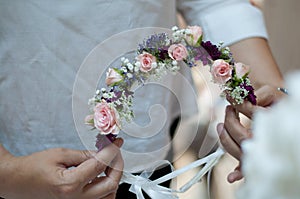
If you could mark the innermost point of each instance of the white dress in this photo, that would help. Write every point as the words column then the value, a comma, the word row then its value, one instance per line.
column 43, row 44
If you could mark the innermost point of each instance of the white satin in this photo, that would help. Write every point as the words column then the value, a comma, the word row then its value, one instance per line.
column 155, row 191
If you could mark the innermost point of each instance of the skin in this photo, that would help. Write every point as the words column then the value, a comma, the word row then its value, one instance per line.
column 257, row 3
column 256, row 53
column 47, row 174
column 266, row 78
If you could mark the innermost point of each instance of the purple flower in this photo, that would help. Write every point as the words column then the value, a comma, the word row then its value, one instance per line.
column 163, row 53
column 198, row 53
column 104, row 140
column 212, row 50
column 251, row 97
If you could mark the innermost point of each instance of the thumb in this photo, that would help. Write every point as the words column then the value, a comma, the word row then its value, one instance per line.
column 91, row 168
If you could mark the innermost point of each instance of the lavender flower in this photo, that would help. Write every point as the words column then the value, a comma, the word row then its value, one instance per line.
column 156, row 44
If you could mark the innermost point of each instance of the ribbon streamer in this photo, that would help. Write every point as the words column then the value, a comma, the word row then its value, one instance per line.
column 156, row 191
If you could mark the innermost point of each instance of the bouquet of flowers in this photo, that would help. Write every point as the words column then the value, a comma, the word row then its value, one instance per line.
column 156, row 56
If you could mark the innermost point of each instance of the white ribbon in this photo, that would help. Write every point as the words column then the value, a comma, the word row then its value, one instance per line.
column 156, row 191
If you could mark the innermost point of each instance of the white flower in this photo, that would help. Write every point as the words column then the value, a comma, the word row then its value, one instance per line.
column 271, row 158
column 130, row 66
column 105, row 95
column 126, row 61
column 168, row 42
column 124, row 69
column 238, row 94
column 97, row 92
column 174, row 28
column 188, row 31
column 137, row 64
column 175, row 35
column 136, row 69
column 129, row 75
column 174, row 63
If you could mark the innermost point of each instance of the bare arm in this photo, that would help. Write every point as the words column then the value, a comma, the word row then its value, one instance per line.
column 256, row 53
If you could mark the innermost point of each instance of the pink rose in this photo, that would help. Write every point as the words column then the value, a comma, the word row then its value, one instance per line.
column 194, row 36
column 177, row 52
column 112, row 77
column 221, row 71
column 241, row 69
column 106, row 119
column 147, row 61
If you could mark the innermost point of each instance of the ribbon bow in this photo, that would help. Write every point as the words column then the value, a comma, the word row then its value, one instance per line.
column 156, row 191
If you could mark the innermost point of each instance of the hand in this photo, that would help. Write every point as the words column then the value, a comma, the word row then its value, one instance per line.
column 48, row 174
column 232, row 133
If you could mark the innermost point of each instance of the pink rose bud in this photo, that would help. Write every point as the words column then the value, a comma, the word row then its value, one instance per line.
column 106, row 119
column 112, row 77
column 89, row 120
column 147, row 61
column 194, row 36
column 221, row 71
column 241, row 69
column 177, row 52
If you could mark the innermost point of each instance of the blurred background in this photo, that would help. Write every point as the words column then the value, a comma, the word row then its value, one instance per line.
column 282, row 22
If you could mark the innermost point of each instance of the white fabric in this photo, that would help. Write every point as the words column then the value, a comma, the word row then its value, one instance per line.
column 229, row 21
column 43, row 43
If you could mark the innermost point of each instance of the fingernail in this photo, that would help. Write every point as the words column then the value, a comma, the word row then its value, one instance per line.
column 220, row 128
column 118, row 142
column 230, row 179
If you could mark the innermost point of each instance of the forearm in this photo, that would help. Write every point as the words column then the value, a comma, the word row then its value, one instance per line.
column 6, row 166
column 256, row 53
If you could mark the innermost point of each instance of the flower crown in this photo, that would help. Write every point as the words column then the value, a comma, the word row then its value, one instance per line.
column 156, row 56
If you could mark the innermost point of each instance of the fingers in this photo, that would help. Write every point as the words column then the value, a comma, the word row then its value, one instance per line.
column 236, row 130
column 268, row 95
column 68, row 157
column 246, row 108
column 109, row 183
column 110, row 196
column 91, row 168
column 101, row 187
column 232, row 133
column 115, row 171
column 235, row 175
column 228, row 143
